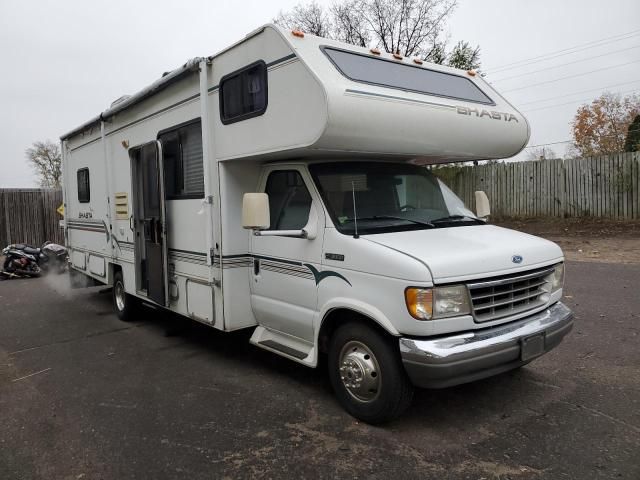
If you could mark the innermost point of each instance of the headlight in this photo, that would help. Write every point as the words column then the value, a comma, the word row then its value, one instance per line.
column 437, row 302
column 557, row 278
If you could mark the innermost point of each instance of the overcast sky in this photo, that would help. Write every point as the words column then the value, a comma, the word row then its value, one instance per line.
column 63, row 62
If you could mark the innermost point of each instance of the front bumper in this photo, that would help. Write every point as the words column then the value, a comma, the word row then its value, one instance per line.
column 465, row 357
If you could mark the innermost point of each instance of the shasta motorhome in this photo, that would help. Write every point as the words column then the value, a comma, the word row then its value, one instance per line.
column 280, row 186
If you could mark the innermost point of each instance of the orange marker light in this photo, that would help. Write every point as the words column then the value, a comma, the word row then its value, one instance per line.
column 375, row 51
column 418, row 61
column 471, row 73
column 397, row 56
column 297, row 33
column 419, row 302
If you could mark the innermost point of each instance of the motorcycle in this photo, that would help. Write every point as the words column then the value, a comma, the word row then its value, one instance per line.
column 22, row 259
column 18, row 263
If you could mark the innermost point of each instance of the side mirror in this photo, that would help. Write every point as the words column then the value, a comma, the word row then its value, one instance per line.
column 311, row 228
column 255, row 211
column 483, row 210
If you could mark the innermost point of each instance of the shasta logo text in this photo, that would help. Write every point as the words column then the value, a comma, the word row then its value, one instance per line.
column 507, row 117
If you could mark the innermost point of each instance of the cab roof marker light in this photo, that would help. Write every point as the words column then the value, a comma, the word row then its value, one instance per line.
column 397, row 56
column 418, row 61
column 375, row 51
column 472, row 73
column 297, row 33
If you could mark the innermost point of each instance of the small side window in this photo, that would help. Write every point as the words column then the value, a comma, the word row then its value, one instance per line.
column 84, row 188
column 243, row 93
column 289, row 200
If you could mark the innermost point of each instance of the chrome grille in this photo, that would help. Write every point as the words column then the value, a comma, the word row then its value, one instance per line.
column 508, row 295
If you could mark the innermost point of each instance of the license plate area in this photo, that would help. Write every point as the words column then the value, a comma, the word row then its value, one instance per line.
column 532, row 347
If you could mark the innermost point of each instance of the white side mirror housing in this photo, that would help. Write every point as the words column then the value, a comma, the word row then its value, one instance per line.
column 483, row 210
column 255, row 211
column 311, row 228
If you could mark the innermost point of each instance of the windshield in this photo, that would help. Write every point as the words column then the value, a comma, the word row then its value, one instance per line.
column 388, row 198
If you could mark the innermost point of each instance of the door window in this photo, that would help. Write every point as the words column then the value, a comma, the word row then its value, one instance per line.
column 84, row 192
column 289, row 200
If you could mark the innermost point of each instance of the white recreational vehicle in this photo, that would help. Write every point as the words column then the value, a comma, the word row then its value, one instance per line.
column 278, row 186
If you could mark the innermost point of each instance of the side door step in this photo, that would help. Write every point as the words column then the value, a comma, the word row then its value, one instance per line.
column 285, row 345
column 272, row 344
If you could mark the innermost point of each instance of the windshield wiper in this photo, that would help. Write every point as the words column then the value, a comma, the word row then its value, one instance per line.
column 391, row 217
column 458, row 217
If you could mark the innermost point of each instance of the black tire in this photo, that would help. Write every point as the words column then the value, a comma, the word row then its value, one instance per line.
column 125, row 305
column 391, row 391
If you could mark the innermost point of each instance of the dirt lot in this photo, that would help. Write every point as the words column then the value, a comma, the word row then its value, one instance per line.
column 593, row 240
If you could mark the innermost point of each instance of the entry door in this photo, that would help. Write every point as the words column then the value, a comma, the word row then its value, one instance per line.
column 284, row 292
column 151, row 241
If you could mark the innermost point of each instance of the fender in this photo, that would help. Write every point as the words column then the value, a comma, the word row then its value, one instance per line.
column 356, row 306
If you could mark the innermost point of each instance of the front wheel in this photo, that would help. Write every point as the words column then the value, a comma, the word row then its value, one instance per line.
column 124, row 304
column 367, row 374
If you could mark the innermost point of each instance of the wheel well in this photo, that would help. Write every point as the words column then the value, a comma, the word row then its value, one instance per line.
column 340, row 316
column 113, row 269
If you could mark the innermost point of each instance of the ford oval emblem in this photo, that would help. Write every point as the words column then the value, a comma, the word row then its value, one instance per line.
column 516, row 259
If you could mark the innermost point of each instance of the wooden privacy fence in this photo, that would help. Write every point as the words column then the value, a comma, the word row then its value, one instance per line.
column 606, row 186
column 28, row 215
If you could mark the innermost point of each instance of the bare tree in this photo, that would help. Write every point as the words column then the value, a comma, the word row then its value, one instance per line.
column 349, row 25
column 541, row 153
column 46, row 160
column 406, row 27
column 310, row 18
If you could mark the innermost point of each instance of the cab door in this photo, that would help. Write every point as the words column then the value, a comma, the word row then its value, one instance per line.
column 284, row 292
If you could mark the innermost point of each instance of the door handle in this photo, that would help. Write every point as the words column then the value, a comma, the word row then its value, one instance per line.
column 256, row 267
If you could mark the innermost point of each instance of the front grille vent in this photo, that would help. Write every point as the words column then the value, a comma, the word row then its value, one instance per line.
column 508, row 295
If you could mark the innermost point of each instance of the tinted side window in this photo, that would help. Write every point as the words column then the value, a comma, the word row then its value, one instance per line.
column 362, row 68
column 182, row 155
column 289, row 200
column 84, row 188
column 243, row 94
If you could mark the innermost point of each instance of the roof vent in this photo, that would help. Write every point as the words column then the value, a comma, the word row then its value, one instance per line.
column 119, row 100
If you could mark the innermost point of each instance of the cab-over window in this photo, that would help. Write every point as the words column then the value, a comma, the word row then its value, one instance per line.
column 243, row 93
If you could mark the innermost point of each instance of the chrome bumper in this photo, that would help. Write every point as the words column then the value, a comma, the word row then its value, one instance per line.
column 469, row 356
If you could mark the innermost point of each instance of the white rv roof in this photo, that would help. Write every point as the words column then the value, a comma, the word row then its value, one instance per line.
column 372, row 103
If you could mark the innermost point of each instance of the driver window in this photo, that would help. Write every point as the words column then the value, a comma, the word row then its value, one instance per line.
column 289, row 200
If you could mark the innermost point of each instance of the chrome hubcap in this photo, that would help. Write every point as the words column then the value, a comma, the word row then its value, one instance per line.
column 359, row 371
column 119, row 295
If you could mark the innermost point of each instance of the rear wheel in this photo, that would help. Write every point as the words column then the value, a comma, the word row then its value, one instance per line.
column 367, row 374
column 125, row 305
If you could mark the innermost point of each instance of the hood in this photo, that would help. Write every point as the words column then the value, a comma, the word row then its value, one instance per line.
column 459, row 253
